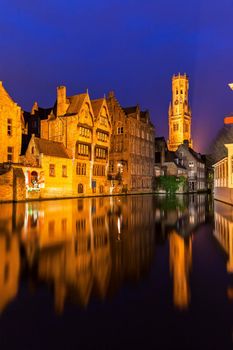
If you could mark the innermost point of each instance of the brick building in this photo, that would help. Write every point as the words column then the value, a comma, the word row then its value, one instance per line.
column 131, row 160
column 11, row 121
column 84, row 128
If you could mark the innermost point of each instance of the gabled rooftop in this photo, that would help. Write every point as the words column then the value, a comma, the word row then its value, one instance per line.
column 51, row 148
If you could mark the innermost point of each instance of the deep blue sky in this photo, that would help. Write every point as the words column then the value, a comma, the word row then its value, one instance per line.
column 132, row 47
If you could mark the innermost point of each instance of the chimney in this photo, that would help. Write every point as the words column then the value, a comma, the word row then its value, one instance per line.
column 34, row 108
column 186, row 143
column 111, row 94
column 61, row 100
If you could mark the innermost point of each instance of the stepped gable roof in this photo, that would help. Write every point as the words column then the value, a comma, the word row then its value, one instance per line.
column 41, row 113
column 51, row 148
column 130, row 110
column 96, row 106
column 25, row 142
column 75, row 103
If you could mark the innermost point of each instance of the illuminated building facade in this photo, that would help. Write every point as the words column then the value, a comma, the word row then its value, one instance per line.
column 179, row 114
column 84, row 128
column 195, row 165
column 223, row 177
column 11, row 122
column 131, row 163
column 64, row 150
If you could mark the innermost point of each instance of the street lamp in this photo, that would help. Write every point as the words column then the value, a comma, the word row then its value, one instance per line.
column 230, row 86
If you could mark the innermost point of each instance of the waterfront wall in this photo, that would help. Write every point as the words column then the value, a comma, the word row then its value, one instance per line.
column 6, row 186
column 224, row 194
column 12, row 185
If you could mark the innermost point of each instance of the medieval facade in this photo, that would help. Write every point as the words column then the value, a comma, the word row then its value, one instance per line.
column 131, row 162
column 11, row 121
column 77, row 147
column 179, row 114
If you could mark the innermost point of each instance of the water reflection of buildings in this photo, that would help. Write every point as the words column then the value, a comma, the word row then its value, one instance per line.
column 103, row 242
column 177, row 220
column 90, row 247
column 9, row 255
column 223, row 232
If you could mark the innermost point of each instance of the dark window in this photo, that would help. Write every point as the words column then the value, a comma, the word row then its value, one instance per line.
column 80, row 188
column 51, row 169
column 9, row 127
column 64, row 170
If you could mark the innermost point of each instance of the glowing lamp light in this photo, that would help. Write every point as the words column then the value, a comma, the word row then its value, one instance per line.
column 230, row 86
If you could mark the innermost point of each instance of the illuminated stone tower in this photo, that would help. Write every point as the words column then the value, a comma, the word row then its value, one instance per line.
column 179, row 114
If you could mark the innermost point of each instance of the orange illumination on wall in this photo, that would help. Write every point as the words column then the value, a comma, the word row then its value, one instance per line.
column 228, row 120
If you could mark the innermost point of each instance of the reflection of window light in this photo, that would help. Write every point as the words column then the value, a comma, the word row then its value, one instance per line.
column 119, row 224
column 192, row 219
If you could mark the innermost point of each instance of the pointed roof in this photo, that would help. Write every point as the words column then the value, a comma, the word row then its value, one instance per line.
column 4, row 92
column 96, row 106
column 76, row 103
column 51, row 148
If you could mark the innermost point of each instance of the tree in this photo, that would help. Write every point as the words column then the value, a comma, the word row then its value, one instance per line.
column 171, row 183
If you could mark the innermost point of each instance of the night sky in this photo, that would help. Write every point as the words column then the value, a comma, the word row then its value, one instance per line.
column 129, row 46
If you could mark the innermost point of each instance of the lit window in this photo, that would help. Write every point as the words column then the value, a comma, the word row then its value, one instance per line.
column 100, row 153
column 10, row 154
column 101, row 136
column 84, row 132
column 83, row 149
column 81, row 169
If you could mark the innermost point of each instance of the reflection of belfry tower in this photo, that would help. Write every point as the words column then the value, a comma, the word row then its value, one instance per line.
column 179, row 114
column 180, row 264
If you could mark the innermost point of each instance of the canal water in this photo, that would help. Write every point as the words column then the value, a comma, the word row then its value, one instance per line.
column 117, row 272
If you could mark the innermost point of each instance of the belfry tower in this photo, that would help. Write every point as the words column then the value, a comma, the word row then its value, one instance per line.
column 179, row 114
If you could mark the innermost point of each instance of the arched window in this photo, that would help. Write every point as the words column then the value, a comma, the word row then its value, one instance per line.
column 80, row 188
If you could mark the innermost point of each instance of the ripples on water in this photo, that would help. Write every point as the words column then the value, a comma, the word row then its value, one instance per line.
column 107, row 272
